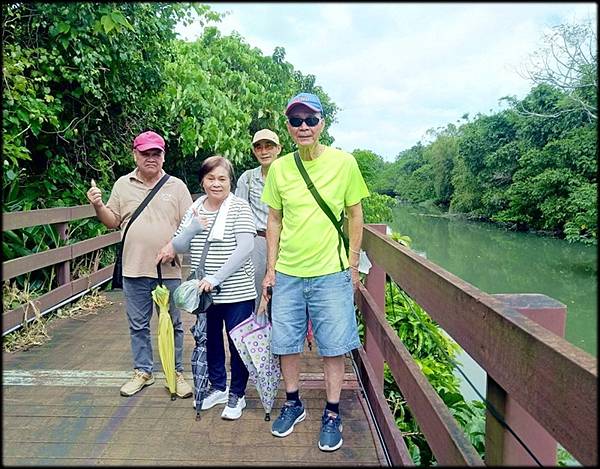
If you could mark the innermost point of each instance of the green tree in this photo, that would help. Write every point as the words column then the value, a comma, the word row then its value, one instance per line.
column 220, row 90
column 441, row 154
column 370, row 165
column 80, row 81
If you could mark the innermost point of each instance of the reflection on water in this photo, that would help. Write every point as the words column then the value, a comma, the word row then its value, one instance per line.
column 501, row 261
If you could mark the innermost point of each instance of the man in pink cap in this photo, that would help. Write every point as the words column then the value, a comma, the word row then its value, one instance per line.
column 309, row 265
column 149, row 232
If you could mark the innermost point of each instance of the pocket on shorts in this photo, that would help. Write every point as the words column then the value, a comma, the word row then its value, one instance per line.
column 347, row 276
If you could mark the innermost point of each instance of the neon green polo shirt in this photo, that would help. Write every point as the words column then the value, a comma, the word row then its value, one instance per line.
column 308, row 245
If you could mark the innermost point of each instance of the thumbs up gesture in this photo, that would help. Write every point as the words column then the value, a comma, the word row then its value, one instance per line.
column 94, row 195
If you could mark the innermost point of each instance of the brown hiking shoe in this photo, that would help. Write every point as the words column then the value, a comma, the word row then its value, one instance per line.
column 137, row 382
column 184, row 390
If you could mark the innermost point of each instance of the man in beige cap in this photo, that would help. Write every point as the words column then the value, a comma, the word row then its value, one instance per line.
column 266, row 148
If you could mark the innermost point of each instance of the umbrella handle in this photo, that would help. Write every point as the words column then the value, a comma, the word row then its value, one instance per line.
column 270, row 294
column 159, row 272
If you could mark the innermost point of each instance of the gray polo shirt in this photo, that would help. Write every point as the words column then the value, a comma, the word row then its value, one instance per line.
column 250, row 186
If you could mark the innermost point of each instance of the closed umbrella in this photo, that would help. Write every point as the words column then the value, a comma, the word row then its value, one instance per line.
column 166, row 336
column 268, row 371
column 199, row 361
column 252, row 339
column 237, row 335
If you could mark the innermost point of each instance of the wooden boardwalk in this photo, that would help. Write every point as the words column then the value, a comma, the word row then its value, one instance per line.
column 61, row 406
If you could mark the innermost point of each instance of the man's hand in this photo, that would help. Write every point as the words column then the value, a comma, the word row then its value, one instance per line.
column 166, row 254
column 268, row 281
column 94, row 195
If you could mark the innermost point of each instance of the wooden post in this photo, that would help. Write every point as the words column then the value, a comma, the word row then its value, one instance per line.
column 502, row 448
column 63, row 271
column 375, row 284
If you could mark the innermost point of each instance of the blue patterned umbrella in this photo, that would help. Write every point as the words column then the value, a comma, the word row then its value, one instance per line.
column 199, row 362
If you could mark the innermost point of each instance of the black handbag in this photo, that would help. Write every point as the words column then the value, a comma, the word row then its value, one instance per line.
column 117, row 278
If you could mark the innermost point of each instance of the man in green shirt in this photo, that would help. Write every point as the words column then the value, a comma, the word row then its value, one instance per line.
column 307, row 264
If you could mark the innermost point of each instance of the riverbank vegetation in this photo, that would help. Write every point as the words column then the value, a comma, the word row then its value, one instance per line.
column 530, row 166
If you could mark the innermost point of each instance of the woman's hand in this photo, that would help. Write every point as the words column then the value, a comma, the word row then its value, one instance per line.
column 202, row 220
column 205, row 285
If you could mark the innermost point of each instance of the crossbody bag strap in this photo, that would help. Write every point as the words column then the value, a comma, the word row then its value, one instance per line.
column 207, row 244
column 313, row 190
column 142, row 206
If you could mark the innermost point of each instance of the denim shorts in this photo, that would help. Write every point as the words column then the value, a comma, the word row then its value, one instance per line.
column 328, row 301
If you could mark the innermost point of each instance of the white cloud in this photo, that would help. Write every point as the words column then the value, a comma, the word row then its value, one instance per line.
column 398, row 69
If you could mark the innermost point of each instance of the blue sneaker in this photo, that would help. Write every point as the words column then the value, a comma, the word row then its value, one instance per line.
column 291, row 414
column 330, row 438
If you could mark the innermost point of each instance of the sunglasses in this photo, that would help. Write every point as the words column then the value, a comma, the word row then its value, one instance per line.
column 310, row 121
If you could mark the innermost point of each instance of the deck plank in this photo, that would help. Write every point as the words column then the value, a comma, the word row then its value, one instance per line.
column 61, row 406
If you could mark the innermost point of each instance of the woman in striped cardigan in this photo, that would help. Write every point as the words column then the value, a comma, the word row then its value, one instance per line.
column 226, row 221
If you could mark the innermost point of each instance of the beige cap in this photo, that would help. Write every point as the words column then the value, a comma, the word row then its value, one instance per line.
column 265, row 134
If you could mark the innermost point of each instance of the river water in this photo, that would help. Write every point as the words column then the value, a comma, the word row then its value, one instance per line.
column 496, row 260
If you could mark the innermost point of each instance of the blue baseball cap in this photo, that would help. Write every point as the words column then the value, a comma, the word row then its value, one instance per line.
column 309, row 100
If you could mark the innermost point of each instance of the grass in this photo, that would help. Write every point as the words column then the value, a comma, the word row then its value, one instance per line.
column 35, row 332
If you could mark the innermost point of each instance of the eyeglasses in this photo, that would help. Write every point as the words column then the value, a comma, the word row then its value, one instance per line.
column 310, row 121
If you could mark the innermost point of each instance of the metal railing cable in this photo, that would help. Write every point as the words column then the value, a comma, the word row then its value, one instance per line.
column 493, row 411
column 371, row 412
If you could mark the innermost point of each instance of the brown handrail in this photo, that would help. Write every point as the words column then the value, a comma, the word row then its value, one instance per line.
column 446, row 439
column 45, row 216
column 61, row 256
column 552, row 379
column 39, row 260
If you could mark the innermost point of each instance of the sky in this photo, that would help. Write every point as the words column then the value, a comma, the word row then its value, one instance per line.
column 396, row 70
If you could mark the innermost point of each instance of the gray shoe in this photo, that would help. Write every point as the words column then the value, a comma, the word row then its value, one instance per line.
column 215, row 397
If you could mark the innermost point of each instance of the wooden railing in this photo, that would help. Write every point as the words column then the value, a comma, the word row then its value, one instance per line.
column 527, row 365
column 68, row 288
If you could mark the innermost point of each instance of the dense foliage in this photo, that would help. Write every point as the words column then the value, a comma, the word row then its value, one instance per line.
column 82, row 79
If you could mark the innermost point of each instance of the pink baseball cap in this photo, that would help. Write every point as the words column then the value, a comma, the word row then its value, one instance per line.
column 147, row 140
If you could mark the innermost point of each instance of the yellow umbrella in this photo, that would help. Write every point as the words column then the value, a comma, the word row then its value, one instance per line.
column 166, row 336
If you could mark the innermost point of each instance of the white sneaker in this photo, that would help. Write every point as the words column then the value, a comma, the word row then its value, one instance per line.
column 214, row 397
column 234, row 407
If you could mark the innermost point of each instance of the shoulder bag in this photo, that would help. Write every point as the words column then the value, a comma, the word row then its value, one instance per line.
column 117, row 279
